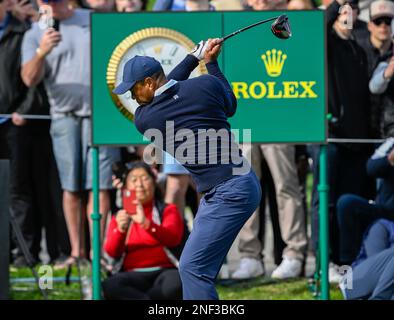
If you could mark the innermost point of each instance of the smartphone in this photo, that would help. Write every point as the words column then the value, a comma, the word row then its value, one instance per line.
column 56, row 24
column 128, row 201
column 119, row 170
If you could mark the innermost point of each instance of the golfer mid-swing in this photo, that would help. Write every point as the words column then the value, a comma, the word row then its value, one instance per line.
column 230, row 193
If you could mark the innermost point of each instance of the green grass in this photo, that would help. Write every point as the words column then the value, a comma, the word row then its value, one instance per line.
column 259, row 289
column 268, row 289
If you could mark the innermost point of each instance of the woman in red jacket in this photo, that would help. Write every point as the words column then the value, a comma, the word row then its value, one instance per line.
column 142, row 238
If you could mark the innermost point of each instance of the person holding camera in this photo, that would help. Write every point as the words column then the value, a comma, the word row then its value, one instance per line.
column 56, row 50
column 26, row 143
column 143, row 236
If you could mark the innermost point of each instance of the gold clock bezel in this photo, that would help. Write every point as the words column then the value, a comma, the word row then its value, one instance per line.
column 132, row 40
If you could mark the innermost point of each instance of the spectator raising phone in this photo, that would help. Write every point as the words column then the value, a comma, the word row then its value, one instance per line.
column 129, row 201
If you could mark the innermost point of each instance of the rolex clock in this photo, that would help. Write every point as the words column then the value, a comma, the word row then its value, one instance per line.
column 167, row 46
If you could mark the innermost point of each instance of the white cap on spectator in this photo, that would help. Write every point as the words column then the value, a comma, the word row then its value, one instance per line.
column 381, row 8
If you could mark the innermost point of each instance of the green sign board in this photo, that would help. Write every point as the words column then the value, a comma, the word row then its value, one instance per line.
column 279, row 84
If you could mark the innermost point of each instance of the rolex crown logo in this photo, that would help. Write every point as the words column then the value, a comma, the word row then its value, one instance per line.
column 274, row 61
column 158, row 49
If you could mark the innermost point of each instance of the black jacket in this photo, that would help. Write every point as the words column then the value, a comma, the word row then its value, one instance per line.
column 381, row 105
column 348, row 92
column 14, row 95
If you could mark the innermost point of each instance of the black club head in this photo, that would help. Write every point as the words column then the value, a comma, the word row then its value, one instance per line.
column 281, row 27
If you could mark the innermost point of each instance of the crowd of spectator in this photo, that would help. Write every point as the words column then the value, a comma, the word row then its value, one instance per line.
column 45, row 71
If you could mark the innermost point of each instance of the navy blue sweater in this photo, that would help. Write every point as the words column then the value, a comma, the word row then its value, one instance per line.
column 201, row 103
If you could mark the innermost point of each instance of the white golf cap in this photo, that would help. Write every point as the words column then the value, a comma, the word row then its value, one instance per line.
column 381, row 8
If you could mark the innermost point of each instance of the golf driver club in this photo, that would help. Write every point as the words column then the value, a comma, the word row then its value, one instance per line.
column 280, row 28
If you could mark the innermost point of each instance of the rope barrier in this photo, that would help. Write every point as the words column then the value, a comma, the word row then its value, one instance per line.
column 28, row 116
column 336, row 140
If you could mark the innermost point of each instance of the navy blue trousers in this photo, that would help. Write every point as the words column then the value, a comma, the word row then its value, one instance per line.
column 222, row 212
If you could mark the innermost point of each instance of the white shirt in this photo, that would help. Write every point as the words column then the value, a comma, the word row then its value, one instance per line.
column 165, row 87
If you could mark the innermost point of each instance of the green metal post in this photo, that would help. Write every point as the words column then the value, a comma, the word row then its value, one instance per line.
column 323, row 189
column 96, row 217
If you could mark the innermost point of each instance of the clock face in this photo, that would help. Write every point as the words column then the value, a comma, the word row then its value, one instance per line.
column 167, row 51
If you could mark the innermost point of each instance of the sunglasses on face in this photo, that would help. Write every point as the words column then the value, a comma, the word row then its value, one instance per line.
column 51, row 1
column 385, row 20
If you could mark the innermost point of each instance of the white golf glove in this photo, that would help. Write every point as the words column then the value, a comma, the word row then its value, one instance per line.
column 199, row 50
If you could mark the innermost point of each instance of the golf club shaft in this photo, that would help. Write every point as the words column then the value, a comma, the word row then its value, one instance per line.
column 248, row 27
